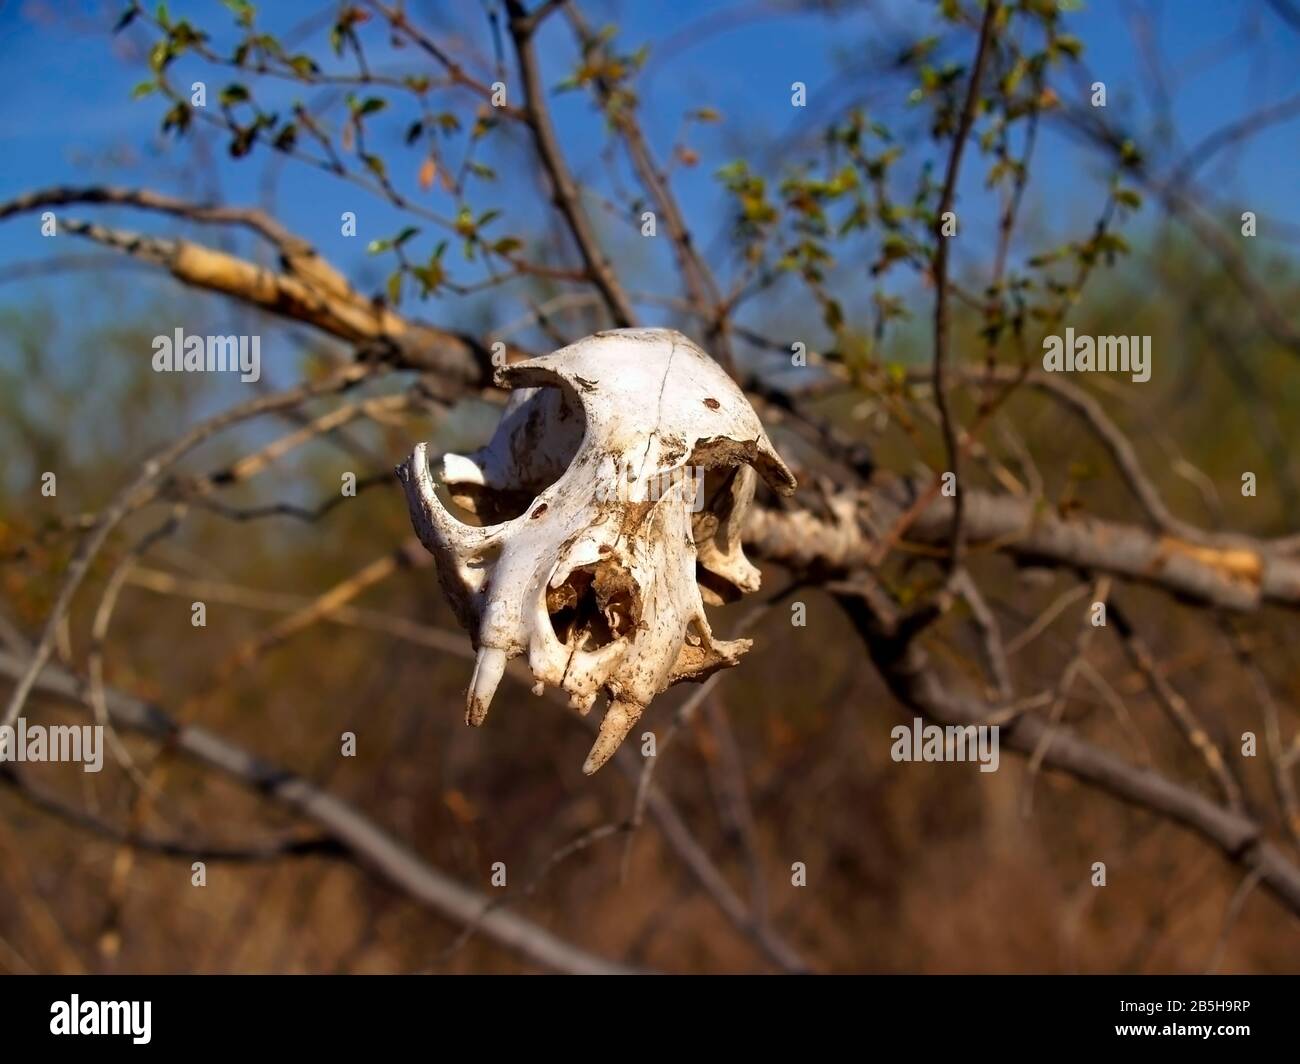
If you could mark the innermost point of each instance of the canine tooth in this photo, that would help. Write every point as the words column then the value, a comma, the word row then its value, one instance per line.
column 620, row 718
column 488, row 669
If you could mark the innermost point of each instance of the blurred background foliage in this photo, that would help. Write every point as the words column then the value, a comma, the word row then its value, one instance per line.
column 910, row 867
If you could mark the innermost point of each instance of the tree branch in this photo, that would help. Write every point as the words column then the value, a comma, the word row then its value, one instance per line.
column 1243, row 578
column 914, row 681
column 364, row 840
column 563, row 187
column 939, row 268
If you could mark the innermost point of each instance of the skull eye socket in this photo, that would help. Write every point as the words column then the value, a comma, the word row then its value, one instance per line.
column 594, row 606
column 535, row 444
column 477, row 504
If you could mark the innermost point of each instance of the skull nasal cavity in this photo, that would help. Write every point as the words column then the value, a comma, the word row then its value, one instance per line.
column 595, row 605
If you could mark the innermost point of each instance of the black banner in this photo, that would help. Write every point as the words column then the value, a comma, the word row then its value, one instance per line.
column 523, row 1014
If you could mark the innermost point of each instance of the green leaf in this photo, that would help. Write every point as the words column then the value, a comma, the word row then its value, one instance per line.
column 405, row 235
column 143, row 89
column 1012, row 80
column 732, row 170
column 895, row 247
column 128, row 16
column 1070, row 45
column 178, row 117
column 243, row 10
column 395, row 288
column 858, row 218
column 377, row 246
column 233, row 93
column 430, row 277
column 242, row 142
column 159, row 56
column 1113, row 243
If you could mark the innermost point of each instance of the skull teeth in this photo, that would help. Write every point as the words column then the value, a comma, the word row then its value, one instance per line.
column 582, row 702
column 488, row 669
column 620, row 718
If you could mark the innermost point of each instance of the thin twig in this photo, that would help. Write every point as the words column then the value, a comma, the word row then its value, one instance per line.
column 939, row 269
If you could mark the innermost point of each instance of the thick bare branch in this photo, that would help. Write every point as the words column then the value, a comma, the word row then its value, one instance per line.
column 1241, row 578
column 306, row 289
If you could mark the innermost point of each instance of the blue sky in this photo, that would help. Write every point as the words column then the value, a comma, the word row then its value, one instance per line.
column 67, row 116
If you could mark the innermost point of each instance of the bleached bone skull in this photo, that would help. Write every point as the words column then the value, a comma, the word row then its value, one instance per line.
column 604, row 513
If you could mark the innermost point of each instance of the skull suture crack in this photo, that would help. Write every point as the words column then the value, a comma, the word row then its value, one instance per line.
column 604, row 513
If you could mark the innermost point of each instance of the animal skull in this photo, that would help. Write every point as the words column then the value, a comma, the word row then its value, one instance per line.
column 605, row 511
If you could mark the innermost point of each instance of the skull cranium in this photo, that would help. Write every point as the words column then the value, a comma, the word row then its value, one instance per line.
column 602, row 515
